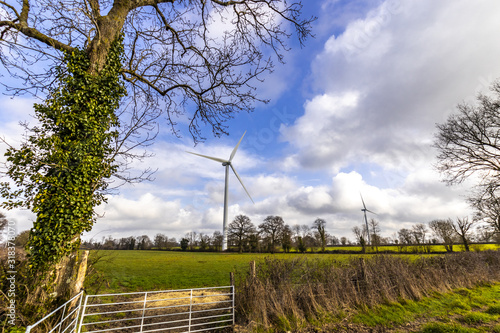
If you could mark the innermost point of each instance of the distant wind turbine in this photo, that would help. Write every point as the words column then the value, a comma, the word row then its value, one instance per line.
column 227, row 164
column 364, row 210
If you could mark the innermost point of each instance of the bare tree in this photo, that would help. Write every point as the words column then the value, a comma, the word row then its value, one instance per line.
column 469, row 143
column 374, row 225
column 302, row 234
column 192, row 237
column 126, row 243
column 487, row 205
column 176, row 57
column 160, row 241
column 144, row 242
column 239, row 230
column 405, row 236
column 171, row 242
column 217, row 240
column 286, row 238
column 110, row 243
column 404, row 239
column 419, row 232
column 484, row 233
column 204, row 241
column 333, row 240
column 319, row 225
column 272, row 229
column 462, row 228
column 443, row 229
column 360, row 234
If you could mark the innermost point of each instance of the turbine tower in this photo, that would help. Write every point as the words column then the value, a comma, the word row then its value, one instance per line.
column 226, row 164
column 364, row 210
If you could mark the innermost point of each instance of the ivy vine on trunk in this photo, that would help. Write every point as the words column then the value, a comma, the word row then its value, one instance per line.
column 62, row 168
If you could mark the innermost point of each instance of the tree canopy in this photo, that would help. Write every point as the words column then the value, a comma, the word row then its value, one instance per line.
column 240, row 230
column 190, row 57
column 272, row 229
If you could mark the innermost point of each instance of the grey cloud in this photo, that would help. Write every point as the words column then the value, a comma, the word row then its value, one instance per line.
column 410, row 74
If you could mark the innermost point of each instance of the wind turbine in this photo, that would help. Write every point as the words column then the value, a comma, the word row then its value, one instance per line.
column 227, row 164
column 364, row 210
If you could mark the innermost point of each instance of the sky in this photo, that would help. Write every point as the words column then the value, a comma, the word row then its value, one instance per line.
column 353, row 111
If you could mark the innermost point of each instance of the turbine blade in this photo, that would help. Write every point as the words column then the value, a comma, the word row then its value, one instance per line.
column 362, row 201
column 371, row 212
column 241, row 182
column 236, row 148
column 209, row 157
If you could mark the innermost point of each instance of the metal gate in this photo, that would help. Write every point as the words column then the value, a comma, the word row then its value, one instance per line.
column 173, row 311
column 65, row 317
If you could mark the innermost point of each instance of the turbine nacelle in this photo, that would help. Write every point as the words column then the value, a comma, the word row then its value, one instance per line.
column 364, row 209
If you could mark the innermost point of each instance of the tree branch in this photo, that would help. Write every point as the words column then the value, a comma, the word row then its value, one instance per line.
column 34, row 33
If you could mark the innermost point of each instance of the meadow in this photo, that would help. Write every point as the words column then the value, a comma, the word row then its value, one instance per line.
column 325, row 291
column 123, row 271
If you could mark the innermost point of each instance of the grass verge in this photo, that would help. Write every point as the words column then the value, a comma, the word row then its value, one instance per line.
column 462, row 310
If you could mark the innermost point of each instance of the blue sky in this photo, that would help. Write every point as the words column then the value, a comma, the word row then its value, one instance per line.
column 353, row 111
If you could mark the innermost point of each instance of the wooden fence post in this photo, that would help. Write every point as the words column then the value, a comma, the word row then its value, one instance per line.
column 252, row 269
column 363, row 268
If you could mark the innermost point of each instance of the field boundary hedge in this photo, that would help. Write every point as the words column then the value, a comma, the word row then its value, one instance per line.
column 288, row 294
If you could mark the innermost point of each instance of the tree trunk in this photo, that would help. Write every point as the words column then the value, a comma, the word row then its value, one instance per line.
column 466, row 244
column 109, row 27
column 63, row 282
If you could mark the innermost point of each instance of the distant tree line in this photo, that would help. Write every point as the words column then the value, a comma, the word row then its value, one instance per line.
column 160, row 242
column 274, row 235
column 420, row 237
column 271, row 235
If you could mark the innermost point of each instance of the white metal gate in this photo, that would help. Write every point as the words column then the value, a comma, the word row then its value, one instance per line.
column 66, row 317
column 173, row 311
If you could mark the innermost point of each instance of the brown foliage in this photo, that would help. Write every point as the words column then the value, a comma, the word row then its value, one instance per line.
column 290, row 293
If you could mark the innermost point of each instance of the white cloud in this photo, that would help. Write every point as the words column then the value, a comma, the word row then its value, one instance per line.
column 407, row 66
column 149, row 214
column 377, row 90
column 408, row 63
column 14, row 111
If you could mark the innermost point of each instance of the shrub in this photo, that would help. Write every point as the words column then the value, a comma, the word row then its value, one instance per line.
column 301, row 289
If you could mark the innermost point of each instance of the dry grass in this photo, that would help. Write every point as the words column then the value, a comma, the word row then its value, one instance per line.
column 290, row 294
column 200, row 297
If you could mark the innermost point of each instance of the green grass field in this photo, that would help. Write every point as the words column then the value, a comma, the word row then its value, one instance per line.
column 124, row 271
